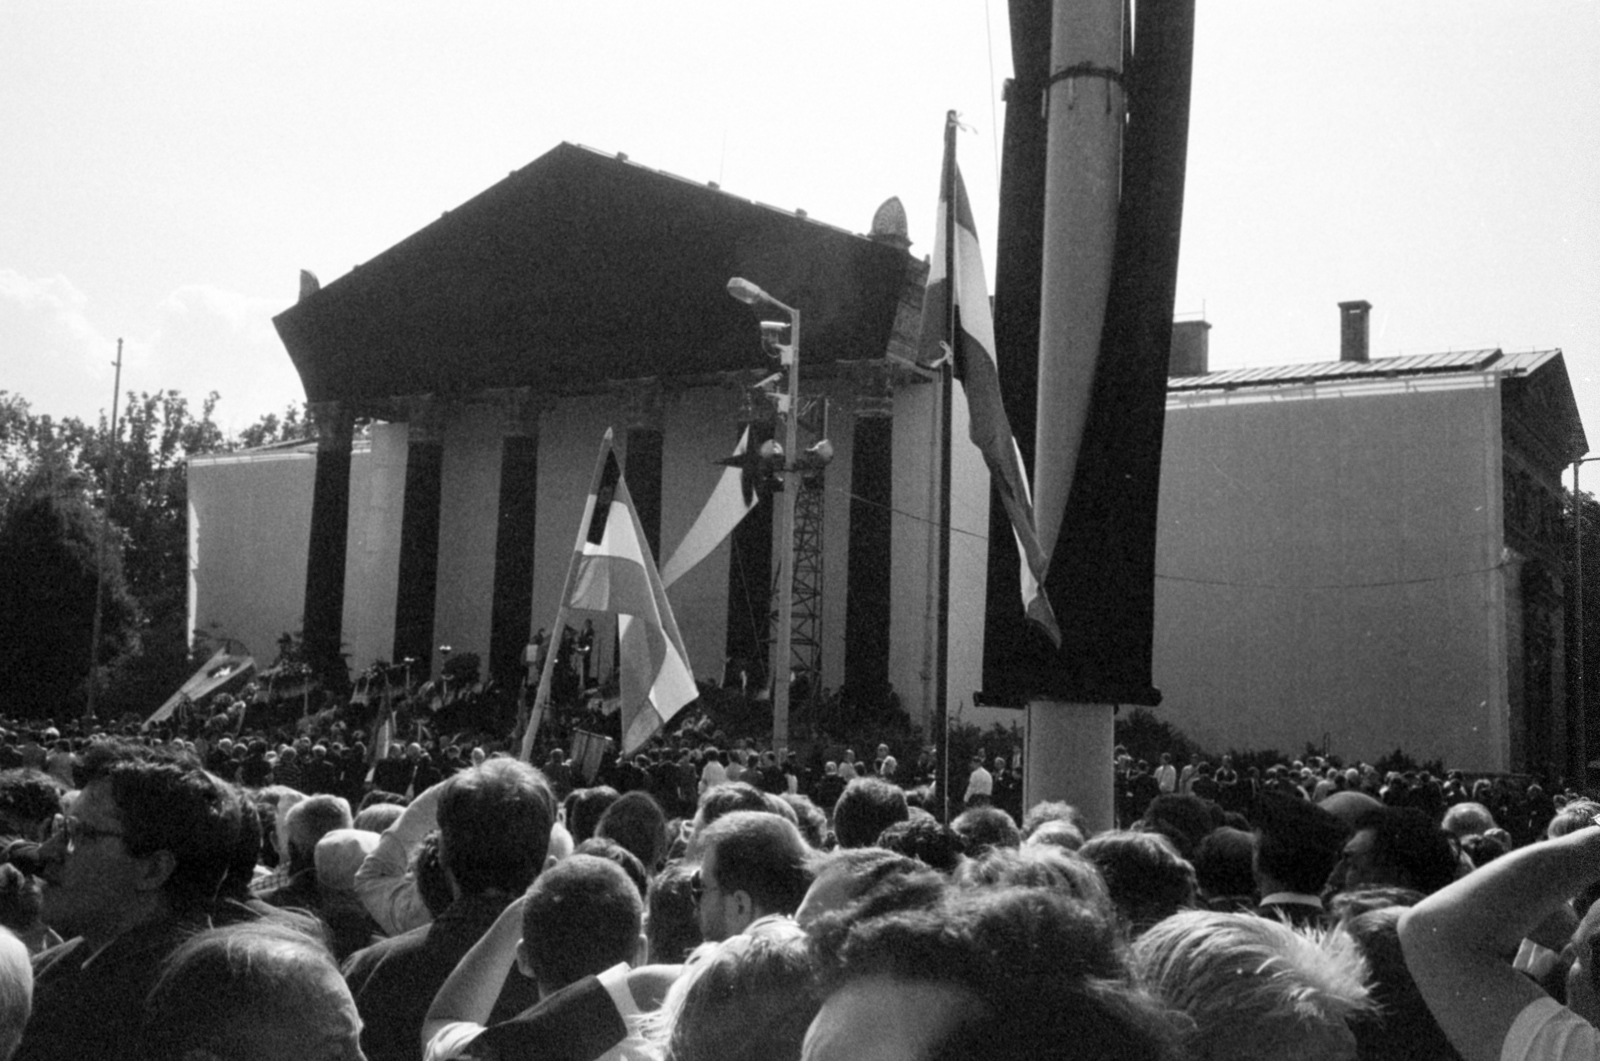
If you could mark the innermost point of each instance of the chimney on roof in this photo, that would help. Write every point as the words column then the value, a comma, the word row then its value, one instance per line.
column 1353, row 330
column 1191, row 348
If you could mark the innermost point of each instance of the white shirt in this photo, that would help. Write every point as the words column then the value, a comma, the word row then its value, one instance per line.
column 1548, row 1031
column 453, row 1039
column 979, row 783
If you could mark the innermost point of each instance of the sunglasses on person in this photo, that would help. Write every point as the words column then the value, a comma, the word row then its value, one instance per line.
column 78, row 832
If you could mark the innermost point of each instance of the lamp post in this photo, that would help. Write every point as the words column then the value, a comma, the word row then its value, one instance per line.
column 788, row 406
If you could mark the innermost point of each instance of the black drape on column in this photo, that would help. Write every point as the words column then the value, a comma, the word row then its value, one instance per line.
column 866, row 617
column 1101, row 580
column 418, row 581
column 322, row 632
column 513, row 558
column 750, row 585
column 643, row 472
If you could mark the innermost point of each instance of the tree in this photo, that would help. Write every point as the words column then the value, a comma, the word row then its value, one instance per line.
column 49, row 567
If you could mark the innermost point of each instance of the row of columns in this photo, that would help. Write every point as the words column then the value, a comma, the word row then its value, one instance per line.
column 511, row 595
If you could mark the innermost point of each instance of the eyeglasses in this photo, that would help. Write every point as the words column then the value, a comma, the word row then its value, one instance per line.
column 698, row 887
column 78, row 831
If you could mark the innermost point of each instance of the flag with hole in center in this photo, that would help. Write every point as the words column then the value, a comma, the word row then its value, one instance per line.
column 615, row 573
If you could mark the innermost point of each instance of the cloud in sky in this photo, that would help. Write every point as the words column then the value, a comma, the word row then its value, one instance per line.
column 200, row 339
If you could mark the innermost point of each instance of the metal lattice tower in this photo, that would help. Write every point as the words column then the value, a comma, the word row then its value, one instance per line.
column 806, row 637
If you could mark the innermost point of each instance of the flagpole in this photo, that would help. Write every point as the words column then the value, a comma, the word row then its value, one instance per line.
column 100, row 545
column 542, row 697
column 941, row 685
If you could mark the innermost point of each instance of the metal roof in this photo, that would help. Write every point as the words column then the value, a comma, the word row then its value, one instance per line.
column 1329, row 371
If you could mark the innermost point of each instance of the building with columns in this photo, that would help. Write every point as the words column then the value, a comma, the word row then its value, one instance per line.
column 1365, row 553
column 460, row 383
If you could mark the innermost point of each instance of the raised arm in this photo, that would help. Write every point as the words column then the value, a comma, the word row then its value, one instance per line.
column 1459, row 942
column 470, row 992
column 385, row 889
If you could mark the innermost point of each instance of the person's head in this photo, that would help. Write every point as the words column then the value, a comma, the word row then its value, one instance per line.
column 925, row 839
column 1397, row 846
column 751, row 864
column 1222, row 866
column 1185, row 820
column 1467, row 819
column 309, row 821
column 1003, row 974
column 1256, row 989
column 339, row 856
column 673, row 928
column 433, row 884
column 1147, row 878
column 984, row 828
column 809, row 817
column 1297, row 844
column 252, row 991
column 378, row 817
column 746, row 998
column 1400, row 1026
column 846, row 873
column 1037, row 866
column 625, row 860
column 866, row 807
column 1062, row 834
column 637, row 822
column 1484, row 848
column 1578, row 814
column 582, row 916
column 16, row 992
column 585, row 807
column 1054, row 811
column 29, row 801
column 726, row 798
column 494, row 827
column 150, row 836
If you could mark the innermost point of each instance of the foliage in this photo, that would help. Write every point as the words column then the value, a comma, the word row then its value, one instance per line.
column 1145, row 737
column 139, row 479
column 50, row 562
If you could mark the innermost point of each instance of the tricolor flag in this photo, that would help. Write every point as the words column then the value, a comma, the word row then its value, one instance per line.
column 970, row 345
column 736, row 493
column 612, row 571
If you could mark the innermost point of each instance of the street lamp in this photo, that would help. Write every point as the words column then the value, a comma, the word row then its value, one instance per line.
column 788, row 405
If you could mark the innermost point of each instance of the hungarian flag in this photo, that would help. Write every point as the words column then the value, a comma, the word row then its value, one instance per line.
column 736, row 493
column 966, row 335
column 614, row 572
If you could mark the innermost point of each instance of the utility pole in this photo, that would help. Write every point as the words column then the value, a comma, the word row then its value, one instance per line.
column 100, row 548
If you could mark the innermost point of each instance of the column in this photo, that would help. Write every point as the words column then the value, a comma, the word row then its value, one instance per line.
column 867, row 599
column 511, row 612
column 419, row 534
column 330, row 532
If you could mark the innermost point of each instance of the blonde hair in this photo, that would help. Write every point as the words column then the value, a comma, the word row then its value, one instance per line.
column 1224, row 969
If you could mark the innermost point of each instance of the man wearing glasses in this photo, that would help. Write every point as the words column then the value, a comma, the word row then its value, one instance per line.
column 127, row 875
column 753, row 865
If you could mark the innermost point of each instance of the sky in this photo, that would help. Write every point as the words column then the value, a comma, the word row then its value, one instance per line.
column 168, row 167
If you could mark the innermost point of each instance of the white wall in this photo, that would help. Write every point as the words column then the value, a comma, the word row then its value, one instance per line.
column 1328, row 563
column 469, row 511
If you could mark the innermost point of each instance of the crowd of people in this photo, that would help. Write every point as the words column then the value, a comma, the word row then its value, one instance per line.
column 236, row 897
